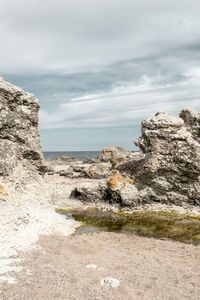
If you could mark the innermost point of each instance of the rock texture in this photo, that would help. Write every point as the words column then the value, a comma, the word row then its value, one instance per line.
column 19, row 135
column 117, row 155
column 113, row 154
column 170, row 170
column 78, row 168
column 165, row 170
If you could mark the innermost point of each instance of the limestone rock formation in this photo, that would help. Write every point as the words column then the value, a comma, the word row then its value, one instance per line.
column 93, row 191
column 165, row 170
column 25, row 198
column 112, row 153
column 170, row 170
column 19, row 135
column 116, row 155
column 78, row 168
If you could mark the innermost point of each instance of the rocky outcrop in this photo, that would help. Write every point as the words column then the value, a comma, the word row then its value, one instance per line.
column 25, row 198
column 166, row 170
column 117, row 155
column 170, row 170
column 113, row 154
column 19, row 135
column 93, row 191
column 78, row 168
column 110, row 159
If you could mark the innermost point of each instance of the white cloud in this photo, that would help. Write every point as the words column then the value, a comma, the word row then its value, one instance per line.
column 71, row 36
column 127, row 104
column 193, row 75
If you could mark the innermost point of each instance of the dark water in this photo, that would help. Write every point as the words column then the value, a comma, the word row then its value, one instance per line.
column 74, row 154
column 159, row 225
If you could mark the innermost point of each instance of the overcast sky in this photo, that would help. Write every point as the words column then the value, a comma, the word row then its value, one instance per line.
column 99, row 67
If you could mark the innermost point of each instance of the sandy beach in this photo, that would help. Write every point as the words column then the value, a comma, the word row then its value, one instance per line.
column 73, row 267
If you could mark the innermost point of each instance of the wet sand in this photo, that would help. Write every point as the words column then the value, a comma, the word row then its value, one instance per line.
column 147, row 268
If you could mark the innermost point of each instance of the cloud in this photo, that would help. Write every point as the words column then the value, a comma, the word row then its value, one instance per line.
column 102, row 64
column 63, row 36
column 126, row 104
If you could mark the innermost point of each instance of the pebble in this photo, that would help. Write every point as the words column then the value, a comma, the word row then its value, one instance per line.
column 109, row 281
column 91, row 266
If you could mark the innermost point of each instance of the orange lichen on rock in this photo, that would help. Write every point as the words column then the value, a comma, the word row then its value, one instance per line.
column 116, row 178
column 131, row 181
column 2, row 191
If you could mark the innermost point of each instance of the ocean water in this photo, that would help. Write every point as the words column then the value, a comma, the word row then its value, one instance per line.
column 74, row 154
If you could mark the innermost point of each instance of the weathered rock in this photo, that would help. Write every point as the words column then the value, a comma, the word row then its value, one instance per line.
column 19, row 135
column 98, row 170
column 112, row 153
column 192, row 122
column 93, row 191
column 77, row 168
column 170, row 170
column 25, row 198
column 116, row 155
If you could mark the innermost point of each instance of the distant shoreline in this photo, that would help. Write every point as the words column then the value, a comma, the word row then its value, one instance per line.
column 73, row 154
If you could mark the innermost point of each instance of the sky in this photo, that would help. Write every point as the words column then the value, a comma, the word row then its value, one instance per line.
column 98, row 68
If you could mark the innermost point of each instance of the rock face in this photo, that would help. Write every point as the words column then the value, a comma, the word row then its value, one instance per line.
column 19, row 135
column 25, row 198
column 170, row 170
column 166, row 170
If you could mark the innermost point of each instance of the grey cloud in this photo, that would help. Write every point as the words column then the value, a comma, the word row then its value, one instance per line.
column 48, row 36
column 126, row 104
column 102, row 63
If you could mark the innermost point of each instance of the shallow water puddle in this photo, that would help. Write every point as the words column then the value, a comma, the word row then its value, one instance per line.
column 160, row 225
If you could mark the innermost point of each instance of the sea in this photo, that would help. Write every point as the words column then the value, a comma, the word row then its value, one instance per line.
column 73, row 154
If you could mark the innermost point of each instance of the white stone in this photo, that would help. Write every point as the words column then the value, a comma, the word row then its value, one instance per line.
column 110, row 282
column 91, row 266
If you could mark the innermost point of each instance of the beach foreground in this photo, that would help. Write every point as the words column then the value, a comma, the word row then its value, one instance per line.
column 73, row 267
